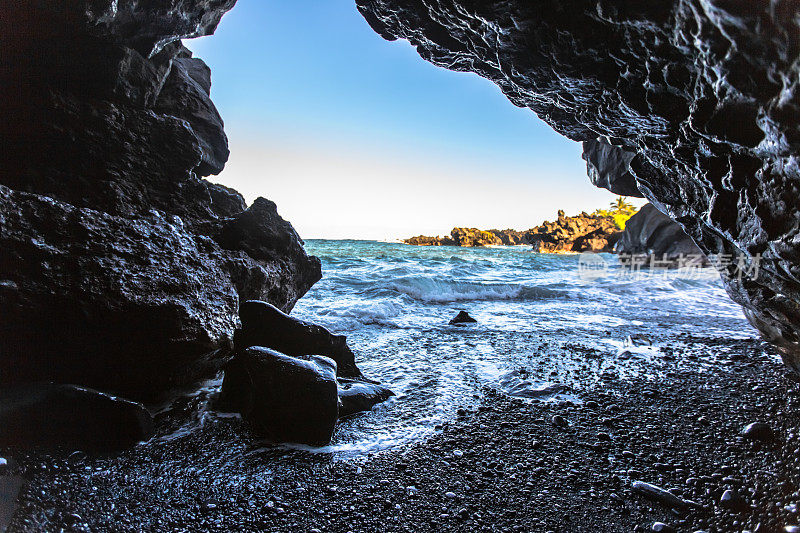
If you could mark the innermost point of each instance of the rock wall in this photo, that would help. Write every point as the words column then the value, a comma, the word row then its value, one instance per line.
column 704, row 94
column 121, row 268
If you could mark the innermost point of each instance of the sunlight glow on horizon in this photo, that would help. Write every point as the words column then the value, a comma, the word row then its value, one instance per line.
column 340, row 192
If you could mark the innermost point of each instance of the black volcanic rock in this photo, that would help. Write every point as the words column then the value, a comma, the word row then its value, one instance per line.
column 120, row 267
column 133, row 305
column 144, row 26
column 48, row 415
column 265, row 325
column 608, row 167
column 356, row 397
column 185, row 95
column 462, row 318
column 284, row 398
column 267, row 259
column 652, row 234
column 702, row 93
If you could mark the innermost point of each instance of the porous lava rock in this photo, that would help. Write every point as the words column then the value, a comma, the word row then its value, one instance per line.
column 121, row 267
column 703, row 93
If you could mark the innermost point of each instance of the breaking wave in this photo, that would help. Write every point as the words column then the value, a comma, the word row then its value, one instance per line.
column 444, row 291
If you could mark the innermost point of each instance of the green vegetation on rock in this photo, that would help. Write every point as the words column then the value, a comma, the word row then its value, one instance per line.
column 620, row 210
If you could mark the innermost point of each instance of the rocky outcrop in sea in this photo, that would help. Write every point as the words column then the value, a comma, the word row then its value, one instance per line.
column 697, row 102
column 580, row 233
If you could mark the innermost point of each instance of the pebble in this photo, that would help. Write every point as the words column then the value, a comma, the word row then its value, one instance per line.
column 559, row 421
column 661, row 527
column 450, row 495
column 458, row 453
column 732, row 501
column 3, row 464
column 659, row 495
column 758, row 431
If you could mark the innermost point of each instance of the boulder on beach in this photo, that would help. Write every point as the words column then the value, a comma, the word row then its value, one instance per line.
column 462, row 318
column 68, row 416
column 264, row 324
column 285, row 399
column 358, row 396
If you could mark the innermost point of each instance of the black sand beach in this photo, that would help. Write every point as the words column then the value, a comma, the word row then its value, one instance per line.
column 510, row 465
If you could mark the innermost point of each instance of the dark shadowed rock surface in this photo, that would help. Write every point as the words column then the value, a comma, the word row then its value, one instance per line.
column 265, row 325
column 122, row 268
column 650, row 234
column 136, row 305
column 66, row 416
column 704, row 94
column 285, row 399
column 185, row 94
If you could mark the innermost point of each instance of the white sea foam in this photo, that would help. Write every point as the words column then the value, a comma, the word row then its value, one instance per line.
column 394, row 303
column 439, row 291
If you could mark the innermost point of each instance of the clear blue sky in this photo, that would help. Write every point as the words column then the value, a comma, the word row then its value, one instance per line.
column 354, row 136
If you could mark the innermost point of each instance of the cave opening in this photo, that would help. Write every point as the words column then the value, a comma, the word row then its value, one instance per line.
column 177, row 355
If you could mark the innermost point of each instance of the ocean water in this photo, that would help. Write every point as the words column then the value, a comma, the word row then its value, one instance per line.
column 544, row 328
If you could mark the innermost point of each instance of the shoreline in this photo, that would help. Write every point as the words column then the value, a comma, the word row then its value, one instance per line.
column 510, row 465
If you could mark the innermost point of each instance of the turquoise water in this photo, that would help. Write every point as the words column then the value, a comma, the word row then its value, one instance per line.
column 543, row 329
